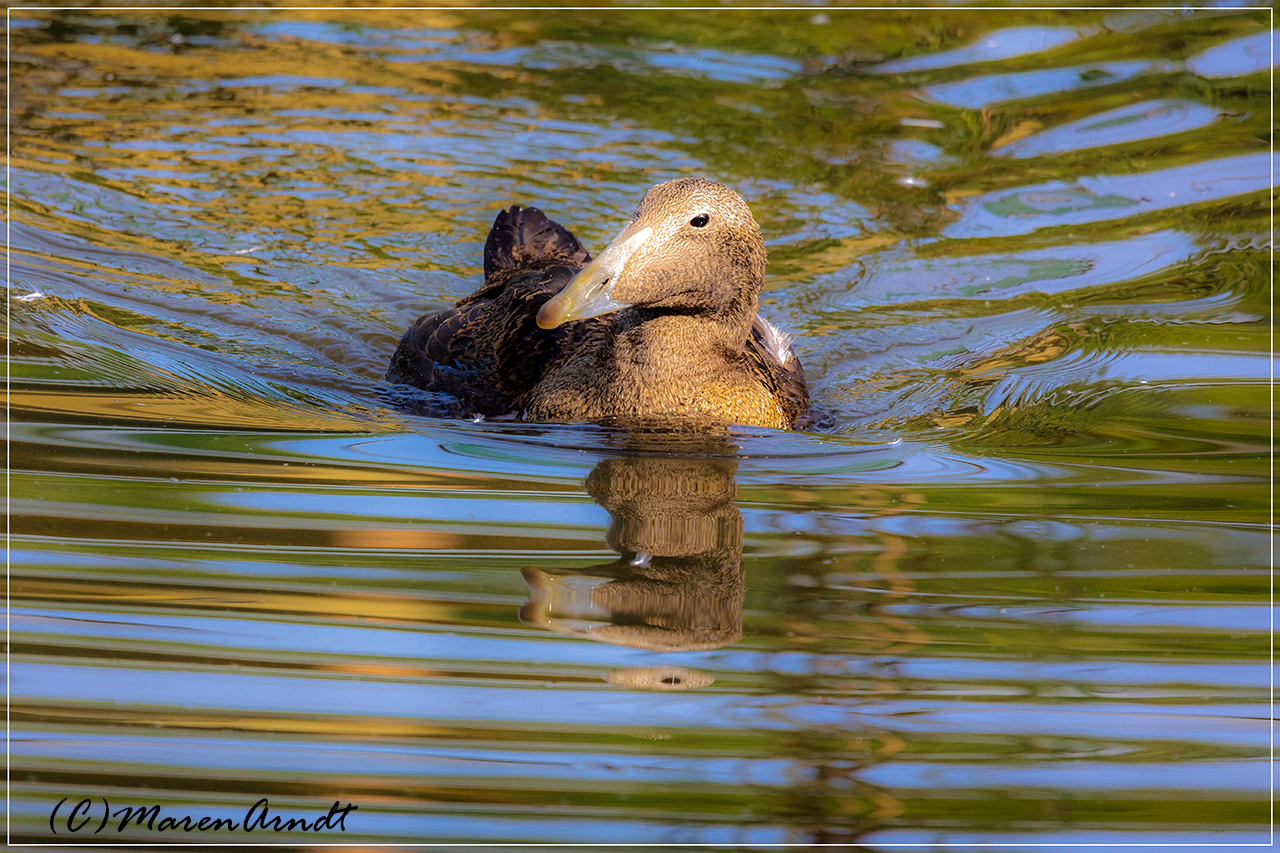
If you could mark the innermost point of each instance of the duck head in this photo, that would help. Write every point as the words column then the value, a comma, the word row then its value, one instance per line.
column 692, row 247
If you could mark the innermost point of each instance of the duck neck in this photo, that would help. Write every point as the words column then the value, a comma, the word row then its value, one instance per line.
column 654, row 339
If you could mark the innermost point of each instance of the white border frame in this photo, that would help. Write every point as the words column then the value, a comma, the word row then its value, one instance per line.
column 799, row 9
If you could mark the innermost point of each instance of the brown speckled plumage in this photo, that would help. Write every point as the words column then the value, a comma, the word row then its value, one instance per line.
column 661, row 325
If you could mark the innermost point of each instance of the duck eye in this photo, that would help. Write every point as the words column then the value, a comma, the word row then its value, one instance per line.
column 700, row 220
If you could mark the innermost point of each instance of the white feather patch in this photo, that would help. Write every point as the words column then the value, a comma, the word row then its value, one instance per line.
column 776, row 341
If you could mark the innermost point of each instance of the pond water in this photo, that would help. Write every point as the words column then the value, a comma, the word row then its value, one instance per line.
column 1016, row 589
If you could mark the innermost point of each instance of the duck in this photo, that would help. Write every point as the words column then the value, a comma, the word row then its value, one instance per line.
column 662, row 326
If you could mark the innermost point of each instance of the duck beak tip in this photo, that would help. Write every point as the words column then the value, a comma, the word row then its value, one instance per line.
column 548, row 317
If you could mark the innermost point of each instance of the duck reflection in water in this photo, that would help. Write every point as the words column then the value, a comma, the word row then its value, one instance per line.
column 678, row 584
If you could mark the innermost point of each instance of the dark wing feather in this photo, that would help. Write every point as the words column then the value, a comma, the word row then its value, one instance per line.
column 488, row 350
column 784, row 379
column 521, row 238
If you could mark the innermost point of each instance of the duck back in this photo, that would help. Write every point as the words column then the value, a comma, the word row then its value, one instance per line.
column 487, row 350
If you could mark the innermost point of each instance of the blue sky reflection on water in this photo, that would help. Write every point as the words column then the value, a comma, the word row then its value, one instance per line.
column 1001, row 44
column 1147, row 120
column 1101, row 197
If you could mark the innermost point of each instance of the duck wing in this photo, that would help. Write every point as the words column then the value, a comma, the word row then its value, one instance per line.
column 770, row 355
column 522, row 238
column 487, row 350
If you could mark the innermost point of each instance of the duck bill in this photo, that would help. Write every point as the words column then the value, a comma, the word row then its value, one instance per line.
column 590, row 292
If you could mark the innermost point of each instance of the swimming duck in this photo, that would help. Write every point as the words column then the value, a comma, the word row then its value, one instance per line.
column 661, row 325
